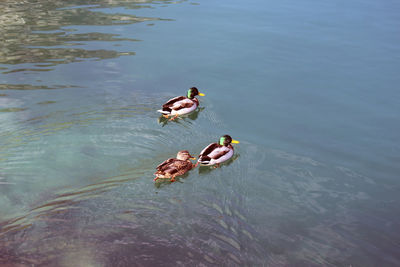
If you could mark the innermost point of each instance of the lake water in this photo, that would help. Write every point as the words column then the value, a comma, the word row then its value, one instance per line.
column 310, row 88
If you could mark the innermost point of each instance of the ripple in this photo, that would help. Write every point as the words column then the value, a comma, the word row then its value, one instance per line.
column 12, row 109
column 298, row 211
column 33, row 87
column 213, row 230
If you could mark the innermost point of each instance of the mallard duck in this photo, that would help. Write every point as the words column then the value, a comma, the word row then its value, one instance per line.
column 216, row 153
column 181, row 104
column 173, row 167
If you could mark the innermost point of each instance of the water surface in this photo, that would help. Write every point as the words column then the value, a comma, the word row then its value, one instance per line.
column 308, row 88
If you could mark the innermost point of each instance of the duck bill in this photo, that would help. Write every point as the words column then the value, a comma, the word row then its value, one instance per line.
column 235, row 142
column 201, row 94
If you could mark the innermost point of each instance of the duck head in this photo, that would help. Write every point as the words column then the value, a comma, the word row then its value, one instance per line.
column 192, row 92
column 184, row 155
column 226, row 140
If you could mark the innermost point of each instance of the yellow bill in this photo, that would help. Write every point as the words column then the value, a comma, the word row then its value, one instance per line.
column 193, row 158
column 235, row 141
column 201, row 94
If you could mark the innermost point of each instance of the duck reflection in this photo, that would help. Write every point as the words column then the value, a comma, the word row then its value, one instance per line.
column 164, row 182
column 186, row 118
column 208, row 169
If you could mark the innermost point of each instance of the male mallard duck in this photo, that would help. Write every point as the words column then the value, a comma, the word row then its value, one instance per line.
column 181, row 104
column 217, row 153
column 171, row 168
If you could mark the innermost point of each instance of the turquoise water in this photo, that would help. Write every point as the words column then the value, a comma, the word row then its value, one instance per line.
column 309, row 88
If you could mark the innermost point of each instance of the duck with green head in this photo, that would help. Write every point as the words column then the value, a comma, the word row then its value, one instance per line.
column 181, row 104
column 216, row 153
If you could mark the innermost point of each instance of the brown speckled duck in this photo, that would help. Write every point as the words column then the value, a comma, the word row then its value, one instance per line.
column 173, row 167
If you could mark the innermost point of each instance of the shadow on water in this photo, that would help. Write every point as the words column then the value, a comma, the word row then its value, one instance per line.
column 41, row 34
column 186, row 118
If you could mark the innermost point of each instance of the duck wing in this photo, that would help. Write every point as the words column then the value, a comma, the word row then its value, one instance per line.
column 208, row 149
column 213, row 151
column 165, row 165
column 172, row 101
column 219, row 152
column 181, row 167
column 174, row 167
column 203, row 157
column 181, row 104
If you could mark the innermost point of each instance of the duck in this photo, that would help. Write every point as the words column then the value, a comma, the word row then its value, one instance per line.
column 174, row 167
column 216, row 153
column 181, row 104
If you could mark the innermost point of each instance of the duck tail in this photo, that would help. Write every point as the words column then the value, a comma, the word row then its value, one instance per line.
column 204, row 159
column 163, row 111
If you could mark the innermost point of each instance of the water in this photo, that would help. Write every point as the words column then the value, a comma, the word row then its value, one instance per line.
column 308, row 88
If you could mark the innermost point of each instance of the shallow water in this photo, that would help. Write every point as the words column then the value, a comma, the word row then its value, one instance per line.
column 308, row 88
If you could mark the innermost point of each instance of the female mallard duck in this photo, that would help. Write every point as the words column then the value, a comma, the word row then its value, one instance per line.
column 217, row 153
column 171, row 168
column 181, row 104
